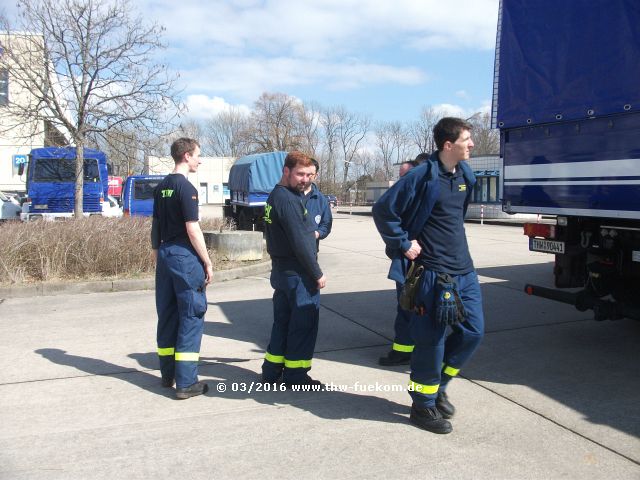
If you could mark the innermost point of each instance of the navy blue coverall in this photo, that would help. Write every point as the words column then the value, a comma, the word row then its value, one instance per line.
column 291, row 243
column 416, row 208
column 181, row 300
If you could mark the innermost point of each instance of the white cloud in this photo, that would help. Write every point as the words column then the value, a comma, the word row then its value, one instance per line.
column 324, row 28
column 451, row 110
column 203, row 107
column 248, row 77
column 462, row 94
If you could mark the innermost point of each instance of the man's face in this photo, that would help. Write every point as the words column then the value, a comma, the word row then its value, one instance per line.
column 404, row 168
column 461, row 148
column 299, row 177
column 193, row 160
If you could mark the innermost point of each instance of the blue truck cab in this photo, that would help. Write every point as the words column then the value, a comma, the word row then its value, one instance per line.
column 51, row 183
column 137, row 196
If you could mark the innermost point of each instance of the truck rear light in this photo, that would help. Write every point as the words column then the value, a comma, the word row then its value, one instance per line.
column 126, row 213
column 542, row 230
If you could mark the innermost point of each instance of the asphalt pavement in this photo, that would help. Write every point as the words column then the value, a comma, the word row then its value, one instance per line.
column 550, row 393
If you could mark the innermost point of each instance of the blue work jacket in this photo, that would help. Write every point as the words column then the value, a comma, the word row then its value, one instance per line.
column 402, row 211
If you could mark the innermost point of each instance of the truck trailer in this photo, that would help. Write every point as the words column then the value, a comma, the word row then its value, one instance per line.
column 567, row 102
column 251, row 179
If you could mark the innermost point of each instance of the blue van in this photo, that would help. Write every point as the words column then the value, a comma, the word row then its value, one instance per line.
column 137, row 196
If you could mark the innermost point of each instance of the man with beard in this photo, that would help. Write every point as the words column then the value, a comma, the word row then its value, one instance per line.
column 296, row 276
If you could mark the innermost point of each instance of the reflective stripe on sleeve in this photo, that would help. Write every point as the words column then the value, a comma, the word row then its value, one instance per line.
column 165, row 352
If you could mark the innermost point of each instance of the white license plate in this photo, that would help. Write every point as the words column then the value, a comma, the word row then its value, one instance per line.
column 548, row 246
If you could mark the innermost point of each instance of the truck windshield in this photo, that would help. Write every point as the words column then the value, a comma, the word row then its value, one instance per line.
column 63, row 170
column 143, row 189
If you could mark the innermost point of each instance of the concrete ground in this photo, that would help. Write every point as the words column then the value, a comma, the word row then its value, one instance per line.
column 550, row 393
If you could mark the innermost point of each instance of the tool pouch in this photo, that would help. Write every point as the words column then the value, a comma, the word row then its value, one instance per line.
column 407, row 300
column 449, row 307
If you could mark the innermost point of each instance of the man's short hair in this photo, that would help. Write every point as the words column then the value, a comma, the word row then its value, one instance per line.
column 315, row 164
column 448, row 129
column 181, row 146
column 297, row 158
column 421, row 158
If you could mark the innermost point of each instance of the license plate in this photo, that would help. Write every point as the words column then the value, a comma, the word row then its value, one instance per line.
column 547, row 246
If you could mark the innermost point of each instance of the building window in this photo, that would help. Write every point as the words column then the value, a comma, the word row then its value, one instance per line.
column 487, row 185
column 4, row 86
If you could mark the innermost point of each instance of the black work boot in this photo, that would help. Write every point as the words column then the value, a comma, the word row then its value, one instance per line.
column 168, row 382
column 305, row 384
column 394, row 358
column 197, row 388
column 444, row 406
column 430, row 419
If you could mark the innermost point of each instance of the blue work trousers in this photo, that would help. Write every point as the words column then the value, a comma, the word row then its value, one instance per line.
column 438, row 357
column 402, row 341
column 181, row 303
column 296, row 311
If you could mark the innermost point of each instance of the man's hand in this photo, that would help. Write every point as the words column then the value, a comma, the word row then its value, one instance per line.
column 322, row 282
column 317, row 234
column 154, row 255
column 208, row 273
column 414, row 251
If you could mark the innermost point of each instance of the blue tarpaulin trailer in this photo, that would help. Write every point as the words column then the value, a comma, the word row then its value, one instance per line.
column 251, row 179
column 567, row 102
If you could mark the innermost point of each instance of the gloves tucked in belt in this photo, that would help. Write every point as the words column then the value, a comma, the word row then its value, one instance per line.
column 449, row 307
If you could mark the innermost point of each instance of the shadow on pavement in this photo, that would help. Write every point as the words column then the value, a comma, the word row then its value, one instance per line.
column 95, row 366
column 590, row 367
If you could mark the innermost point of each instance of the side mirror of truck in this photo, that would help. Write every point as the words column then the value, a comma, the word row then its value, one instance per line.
column 21, row 169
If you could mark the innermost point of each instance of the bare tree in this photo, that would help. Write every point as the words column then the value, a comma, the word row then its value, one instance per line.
column 310, row 127
column 352, row 129
column 329, row 126
column 275, row 124
column 421, row 131
column 93, row 71
column 393, row 143
column 225, row 133
column 486, row 140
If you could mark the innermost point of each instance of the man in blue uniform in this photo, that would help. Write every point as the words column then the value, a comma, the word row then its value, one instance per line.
column 296, row 276
column 318, row 207
column 400, row 353
column 183, row 271
column 421, row 219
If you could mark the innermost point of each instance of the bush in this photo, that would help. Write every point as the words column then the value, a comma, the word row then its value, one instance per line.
column 89, row 248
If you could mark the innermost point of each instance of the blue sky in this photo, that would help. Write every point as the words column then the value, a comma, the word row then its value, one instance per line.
column 385, row 58
column 378, row 57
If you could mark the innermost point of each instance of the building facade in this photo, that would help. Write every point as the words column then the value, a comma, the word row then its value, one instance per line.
column 211, row 179
column 18, row 135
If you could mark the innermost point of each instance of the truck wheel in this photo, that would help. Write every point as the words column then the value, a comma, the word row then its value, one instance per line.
column 244, row 221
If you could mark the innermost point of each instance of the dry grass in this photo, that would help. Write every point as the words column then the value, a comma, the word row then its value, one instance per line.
column 90, row 248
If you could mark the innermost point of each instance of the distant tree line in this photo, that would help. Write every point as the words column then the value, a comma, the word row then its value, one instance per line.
column 350, row 147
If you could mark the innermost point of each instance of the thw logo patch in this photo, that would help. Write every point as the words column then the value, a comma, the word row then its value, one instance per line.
column 167, row 193
column 462, row 187
column 267, row 213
